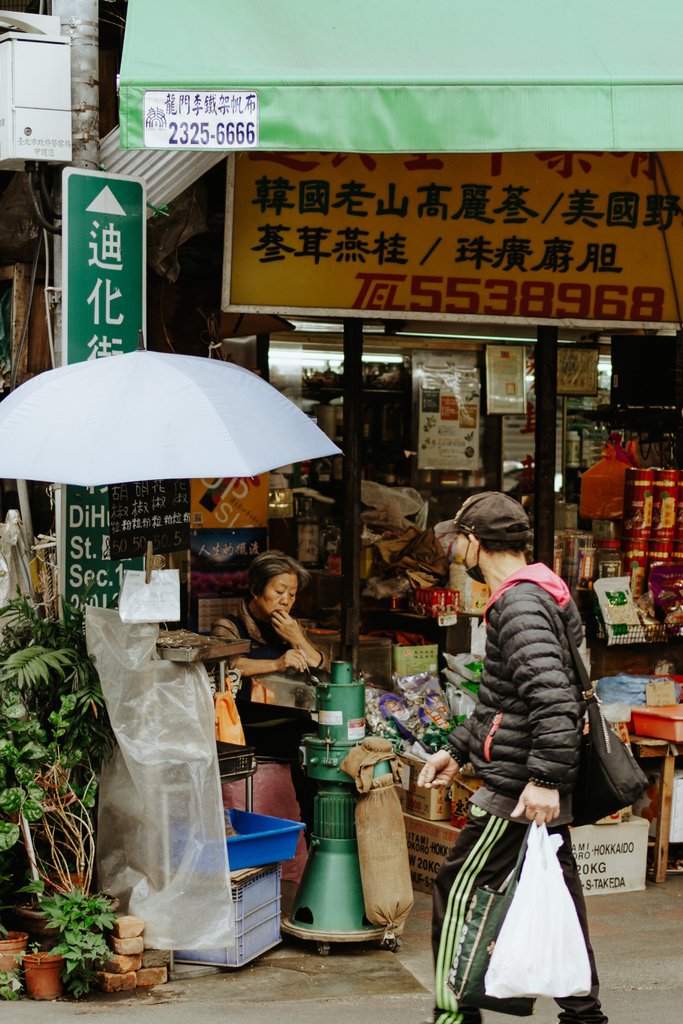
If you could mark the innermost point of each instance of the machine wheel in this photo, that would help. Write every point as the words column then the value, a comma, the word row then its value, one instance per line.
column 324, row 949
column 392, row 944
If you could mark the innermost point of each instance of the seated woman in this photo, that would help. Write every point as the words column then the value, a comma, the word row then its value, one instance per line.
column 277, row 640
column 278, row 644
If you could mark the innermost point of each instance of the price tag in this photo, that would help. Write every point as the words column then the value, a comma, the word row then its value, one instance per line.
column 448, row 619
column 660, row 692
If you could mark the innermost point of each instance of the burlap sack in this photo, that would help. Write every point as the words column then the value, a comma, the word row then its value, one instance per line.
column 381, row 835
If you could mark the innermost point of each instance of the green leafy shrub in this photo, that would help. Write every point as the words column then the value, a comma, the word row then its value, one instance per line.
column 81, row 922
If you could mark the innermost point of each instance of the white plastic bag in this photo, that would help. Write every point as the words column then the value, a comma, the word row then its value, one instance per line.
column 540, row 949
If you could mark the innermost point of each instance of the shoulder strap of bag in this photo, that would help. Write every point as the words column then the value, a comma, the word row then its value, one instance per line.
column 586, row 686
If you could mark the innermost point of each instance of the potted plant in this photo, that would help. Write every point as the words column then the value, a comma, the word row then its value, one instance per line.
column 54, row 735
column 43, row 973
column 81, row 922
column 12, row 945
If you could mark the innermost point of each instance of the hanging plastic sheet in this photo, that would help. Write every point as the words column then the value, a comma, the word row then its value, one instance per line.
column 161, row 835
column 14, row 573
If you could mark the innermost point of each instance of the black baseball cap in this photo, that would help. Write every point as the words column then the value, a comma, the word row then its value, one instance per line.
column 488, row 515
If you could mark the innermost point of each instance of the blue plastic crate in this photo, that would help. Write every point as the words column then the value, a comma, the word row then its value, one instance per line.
column 256, row 903
column 261, row 839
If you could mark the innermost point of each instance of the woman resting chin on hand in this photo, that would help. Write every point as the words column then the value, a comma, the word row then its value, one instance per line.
column 278, row 643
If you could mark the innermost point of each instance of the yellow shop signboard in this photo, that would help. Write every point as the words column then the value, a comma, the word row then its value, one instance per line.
column 575, row 237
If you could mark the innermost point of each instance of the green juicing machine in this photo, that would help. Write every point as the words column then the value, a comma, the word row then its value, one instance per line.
column 329, row 903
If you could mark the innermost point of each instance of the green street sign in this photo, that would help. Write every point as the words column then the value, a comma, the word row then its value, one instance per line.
column 103, row 308
column 103, row 253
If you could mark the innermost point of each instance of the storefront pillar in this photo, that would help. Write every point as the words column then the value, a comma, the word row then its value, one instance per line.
column 351, row 445
column 546, row 431
column 262, row 355
column 679, row 399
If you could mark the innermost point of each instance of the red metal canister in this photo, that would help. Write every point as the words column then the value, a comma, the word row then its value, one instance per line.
column 664, row 502
column 678, row 535
column 638, row 487
column 635, row 567
column 661, row 551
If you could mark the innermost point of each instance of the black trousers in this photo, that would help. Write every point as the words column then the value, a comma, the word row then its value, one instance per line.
column 485, row 853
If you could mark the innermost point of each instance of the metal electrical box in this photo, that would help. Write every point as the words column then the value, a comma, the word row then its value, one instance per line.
column 35, row 99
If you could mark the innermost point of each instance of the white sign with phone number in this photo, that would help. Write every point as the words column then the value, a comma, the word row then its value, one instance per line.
column 201, row 120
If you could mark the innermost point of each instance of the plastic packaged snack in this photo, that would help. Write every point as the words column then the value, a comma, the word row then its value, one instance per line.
column 666, row 589
column 617, row 608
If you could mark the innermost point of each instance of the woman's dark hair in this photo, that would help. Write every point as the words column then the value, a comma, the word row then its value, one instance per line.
column 272, row 563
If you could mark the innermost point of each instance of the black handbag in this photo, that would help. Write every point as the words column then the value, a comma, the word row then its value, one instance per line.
column 609, row 776
column 483, row 921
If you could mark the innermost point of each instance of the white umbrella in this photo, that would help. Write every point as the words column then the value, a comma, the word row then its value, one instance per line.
column 151, row 416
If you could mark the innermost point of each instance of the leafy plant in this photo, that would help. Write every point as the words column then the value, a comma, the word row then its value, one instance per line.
column 10, row 985
column 54, row 735
column 81, row 921
column 48, row 658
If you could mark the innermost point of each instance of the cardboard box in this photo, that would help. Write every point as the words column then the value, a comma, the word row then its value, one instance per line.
column 428, row 844
column 432, row 804
column 614, row 819
column 408, row 661
column 611, row 860
column 462, row 789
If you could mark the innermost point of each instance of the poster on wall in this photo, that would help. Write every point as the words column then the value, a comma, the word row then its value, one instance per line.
column 577, row 370
column 449, row 418
column 519, row 440
column 219, row 560
column 229, row 502
column 505, row 379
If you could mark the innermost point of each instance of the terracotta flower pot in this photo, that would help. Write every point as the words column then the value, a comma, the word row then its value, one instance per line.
column 43, row 975
column 10, row 949
column 30, row 919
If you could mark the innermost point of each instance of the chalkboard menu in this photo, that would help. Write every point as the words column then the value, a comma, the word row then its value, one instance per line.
column 148, row 510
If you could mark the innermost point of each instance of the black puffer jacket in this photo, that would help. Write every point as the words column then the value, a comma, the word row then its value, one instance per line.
column 529, row 718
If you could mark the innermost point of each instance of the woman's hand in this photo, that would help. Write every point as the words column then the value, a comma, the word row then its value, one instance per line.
column 439, row 771
column 292, row 659
column 287, row 627
column 539, row 804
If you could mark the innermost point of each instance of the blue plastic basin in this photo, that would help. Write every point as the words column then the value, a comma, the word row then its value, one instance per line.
column 261, row 840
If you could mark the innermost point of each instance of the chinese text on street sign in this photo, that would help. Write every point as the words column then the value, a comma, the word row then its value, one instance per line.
column 103, row 253
column 201, row 120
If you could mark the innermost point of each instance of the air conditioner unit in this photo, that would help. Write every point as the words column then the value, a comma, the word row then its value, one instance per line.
column 35, row 99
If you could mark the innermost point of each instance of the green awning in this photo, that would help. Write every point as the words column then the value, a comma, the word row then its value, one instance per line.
column 415, row 76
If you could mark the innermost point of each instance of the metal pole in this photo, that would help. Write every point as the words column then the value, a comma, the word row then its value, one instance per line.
column 678, row 398
column 546, row 431
column 351, row 444
column 262, row 355
column 80, row 22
